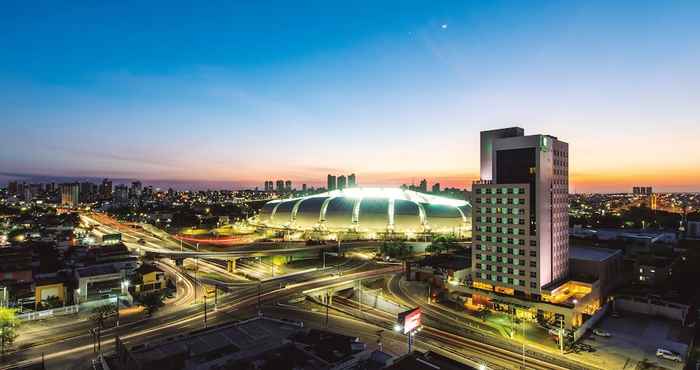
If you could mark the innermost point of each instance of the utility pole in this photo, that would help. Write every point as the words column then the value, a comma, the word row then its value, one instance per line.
column 522, row 325
column 205, row 310
column 196, row 270
column 327, row 304
column 359, row 295
column 561, row 335
column 259, row 306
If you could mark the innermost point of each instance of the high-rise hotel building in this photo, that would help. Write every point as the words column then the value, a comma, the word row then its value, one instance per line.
column 520, row 216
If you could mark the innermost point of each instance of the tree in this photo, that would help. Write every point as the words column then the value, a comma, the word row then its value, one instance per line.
column 8, row 327
column 151, row 302
column 101, row 313
column 53, row 302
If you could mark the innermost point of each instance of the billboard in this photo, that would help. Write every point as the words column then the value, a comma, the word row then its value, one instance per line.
column 410, row 320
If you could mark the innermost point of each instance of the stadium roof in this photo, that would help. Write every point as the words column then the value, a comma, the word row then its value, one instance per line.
column 368, row 209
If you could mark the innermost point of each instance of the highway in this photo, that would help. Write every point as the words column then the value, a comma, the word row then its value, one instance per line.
column 175, row 248
column 445, row 322
column 70, row 345
column 443, row 333
column 69, row 351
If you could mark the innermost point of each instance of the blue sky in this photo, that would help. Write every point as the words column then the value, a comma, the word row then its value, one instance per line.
column 245, row 91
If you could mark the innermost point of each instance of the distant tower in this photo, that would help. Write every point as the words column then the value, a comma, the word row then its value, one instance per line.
column 106, row 189
column 136, row 188
column 423, row 187
column 341, row 182
column 331, row 183
column 70, row 194
column 288, row 185
column 280, row 186
column 436, row 188
column 352, row 180
column 121, row 195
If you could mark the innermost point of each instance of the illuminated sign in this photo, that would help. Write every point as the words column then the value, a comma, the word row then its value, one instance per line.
column 410, row 320
column 545, row 143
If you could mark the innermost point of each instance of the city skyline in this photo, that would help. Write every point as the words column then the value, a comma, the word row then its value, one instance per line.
column 245, row 93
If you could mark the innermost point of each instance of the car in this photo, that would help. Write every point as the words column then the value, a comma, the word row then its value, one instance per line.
column 668, row 355
column 616, row 315
column 554, row 332
column 601, row 333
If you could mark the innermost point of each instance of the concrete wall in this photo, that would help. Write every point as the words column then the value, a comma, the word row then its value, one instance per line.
column 590, row 322
column 647, row 306
column 375, row 299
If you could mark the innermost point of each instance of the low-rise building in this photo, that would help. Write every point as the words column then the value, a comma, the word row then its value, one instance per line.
column 261, row 343
column 653, row 270
column 16, row 264
column 441, row 269
column 46, row 290
column 98, row 282
column 427, row 361
column 602, row 264
column 150, row 278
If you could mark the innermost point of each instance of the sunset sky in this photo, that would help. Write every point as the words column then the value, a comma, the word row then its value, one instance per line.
column 235, row 93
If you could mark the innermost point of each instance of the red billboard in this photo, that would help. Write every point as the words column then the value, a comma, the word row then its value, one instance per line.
column 410, row 320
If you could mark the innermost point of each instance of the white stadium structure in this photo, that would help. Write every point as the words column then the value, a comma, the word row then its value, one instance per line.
column 369, row 210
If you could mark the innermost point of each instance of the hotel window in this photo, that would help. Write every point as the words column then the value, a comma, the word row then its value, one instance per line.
column 533, row 285
column 533, row 253
column 533, row 264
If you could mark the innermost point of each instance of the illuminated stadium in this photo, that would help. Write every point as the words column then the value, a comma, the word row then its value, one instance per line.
column 369, row 210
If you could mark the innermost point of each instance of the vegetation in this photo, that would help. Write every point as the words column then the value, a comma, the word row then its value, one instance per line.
column 8, row 327
column 635, row 218
column 442, row 244
column 52, row 302
column 151, row 302
column 100, row 314
column 396, row 249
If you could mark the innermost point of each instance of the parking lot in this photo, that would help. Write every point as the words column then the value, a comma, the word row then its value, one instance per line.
column 635, row 338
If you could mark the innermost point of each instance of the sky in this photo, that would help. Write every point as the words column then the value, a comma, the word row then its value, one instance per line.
column 232, row 93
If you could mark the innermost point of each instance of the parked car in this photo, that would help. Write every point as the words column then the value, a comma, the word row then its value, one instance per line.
column 601, row 333
column 668, row 355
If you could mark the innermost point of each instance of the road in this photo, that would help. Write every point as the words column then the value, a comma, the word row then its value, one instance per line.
column 446, row 321
column 442, row 333
column 70, row 352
